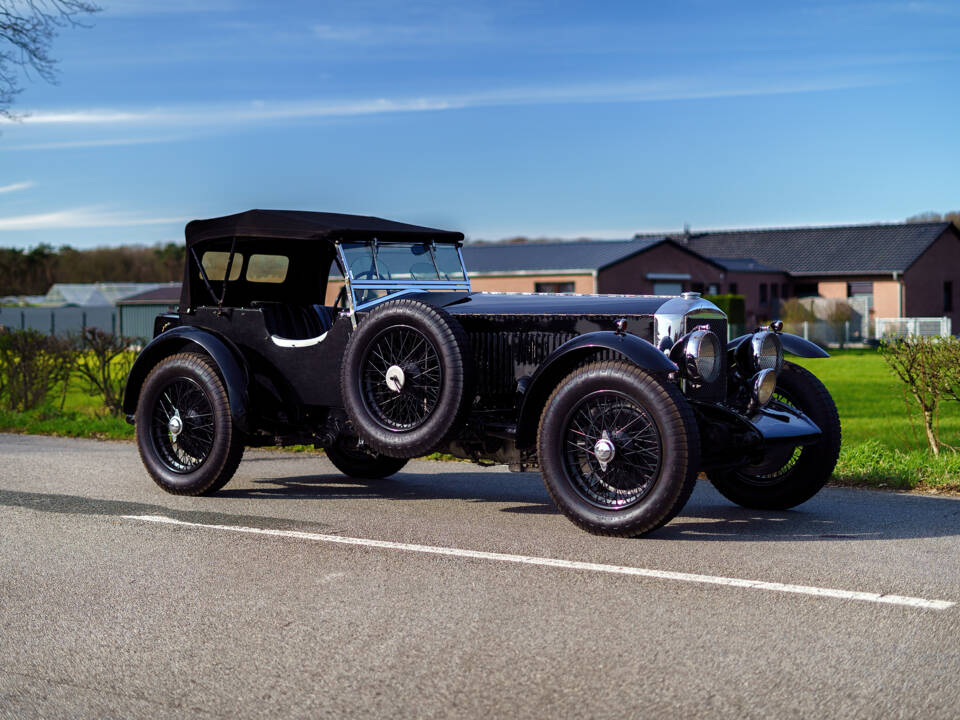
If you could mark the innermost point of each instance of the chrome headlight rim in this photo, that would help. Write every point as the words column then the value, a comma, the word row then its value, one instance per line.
column 695, row 357
column 760, row 350
column 762, row 387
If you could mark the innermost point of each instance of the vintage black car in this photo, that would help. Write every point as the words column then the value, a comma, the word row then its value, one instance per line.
column 620, row 401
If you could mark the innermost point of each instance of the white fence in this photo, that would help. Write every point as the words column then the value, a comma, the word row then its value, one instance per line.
column 823, row 333
column 901, row 327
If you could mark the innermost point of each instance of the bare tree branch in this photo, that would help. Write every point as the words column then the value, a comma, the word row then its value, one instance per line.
column 27, row 31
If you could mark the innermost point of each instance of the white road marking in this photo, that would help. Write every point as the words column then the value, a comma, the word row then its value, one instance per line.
column 569, row 564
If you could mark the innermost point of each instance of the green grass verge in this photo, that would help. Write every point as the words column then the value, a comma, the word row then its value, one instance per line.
column 882, row 446
column 872, row 464
column 871, row 402
column 68, row 423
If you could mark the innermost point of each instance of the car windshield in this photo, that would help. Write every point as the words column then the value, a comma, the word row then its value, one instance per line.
column 406, row 262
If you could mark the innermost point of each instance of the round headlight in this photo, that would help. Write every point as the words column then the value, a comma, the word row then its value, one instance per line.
column 703, row 356
column 767, row 352
column 764, row 383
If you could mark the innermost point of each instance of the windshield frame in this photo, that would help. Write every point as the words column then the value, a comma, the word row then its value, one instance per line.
column 353, row 285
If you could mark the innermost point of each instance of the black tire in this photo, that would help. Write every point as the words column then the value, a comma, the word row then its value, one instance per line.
column 415, row 411
column 786, row 478
column 656, row 441
column 204, row 455
column 355, row 462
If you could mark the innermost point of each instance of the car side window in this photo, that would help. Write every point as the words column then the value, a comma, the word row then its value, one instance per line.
column 267, row 268
column 215, row 265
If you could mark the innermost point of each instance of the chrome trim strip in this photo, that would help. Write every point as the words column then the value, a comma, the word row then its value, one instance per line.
column 391, row 296
column 389, row 284
column 348, row 283
column 289, row 343
column 463, row 266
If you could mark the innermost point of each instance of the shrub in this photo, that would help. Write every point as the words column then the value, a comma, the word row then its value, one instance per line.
column 733, row 305
column 930, row 370
column 794, row 311
column 838, row 315
column 103, row 366
column 31, row 365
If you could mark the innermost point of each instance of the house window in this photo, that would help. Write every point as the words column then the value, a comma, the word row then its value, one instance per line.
column 784, row 291
column 697, row 287
column 763, row 293
column 554, row 287
column 733, row 288
column 860, row 289
column 713, row 289
column 948, row 296
column 807, row 290
column 774, row 291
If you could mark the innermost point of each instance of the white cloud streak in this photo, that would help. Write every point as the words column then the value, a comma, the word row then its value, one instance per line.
column 16, row 186
column 103, row 142
column 81, row 218
column 262, row 111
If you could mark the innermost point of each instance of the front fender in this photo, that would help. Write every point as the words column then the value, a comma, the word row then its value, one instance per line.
column 565, row 358
column 229, row 362
column 793, row 344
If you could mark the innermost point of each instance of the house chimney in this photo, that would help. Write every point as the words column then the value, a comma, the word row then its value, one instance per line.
column 686, row 233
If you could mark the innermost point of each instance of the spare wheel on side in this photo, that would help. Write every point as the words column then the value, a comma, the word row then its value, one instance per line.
column 407, row 378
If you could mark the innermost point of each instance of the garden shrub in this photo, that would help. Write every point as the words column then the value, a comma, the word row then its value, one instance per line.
column 103, row 365
column 31, row 365
column 930, row 370
column 734, row 306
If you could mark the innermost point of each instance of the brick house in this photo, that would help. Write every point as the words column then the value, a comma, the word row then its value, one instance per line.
column 900, row 270
column 896, row 270
column 641, row 266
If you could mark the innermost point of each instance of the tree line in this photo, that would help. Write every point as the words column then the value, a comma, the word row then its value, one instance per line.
column 953, row 216
column 33, row 271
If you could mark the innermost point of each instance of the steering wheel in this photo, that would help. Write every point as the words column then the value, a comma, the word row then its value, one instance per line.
column 372, row 273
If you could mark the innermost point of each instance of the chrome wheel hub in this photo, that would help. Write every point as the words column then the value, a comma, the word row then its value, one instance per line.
column 395, row 378
column 175, row 424
column 604, row 450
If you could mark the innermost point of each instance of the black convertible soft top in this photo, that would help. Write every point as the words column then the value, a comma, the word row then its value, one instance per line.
column 304, row 225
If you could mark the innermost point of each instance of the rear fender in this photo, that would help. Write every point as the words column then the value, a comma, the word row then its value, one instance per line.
column 190, row 339
column 566, row 358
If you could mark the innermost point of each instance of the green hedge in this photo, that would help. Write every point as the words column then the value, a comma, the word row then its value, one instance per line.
column 734, row 306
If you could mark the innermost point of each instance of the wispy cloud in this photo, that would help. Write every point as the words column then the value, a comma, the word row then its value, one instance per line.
column 82, row 218
column 103, row 142
column 139, row 8
column 16, row 186
column 262, row 111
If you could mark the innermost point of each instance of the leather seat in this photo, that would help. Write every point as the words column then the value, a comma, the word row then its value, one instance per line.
column 295, row 322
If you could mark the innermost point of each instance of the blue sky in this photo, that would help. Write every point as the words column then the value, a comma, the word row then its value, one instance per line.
column 552, row 118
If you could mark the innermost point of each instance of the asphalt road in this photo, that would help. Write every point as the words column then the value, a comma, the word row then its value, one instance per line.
column 107, row 612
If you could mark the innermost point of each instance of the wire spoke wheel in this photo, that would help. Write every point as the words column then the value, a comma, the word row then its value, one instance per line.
column 612, row 450
column 182, row 425
column 401, row 378
column 788, row 475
